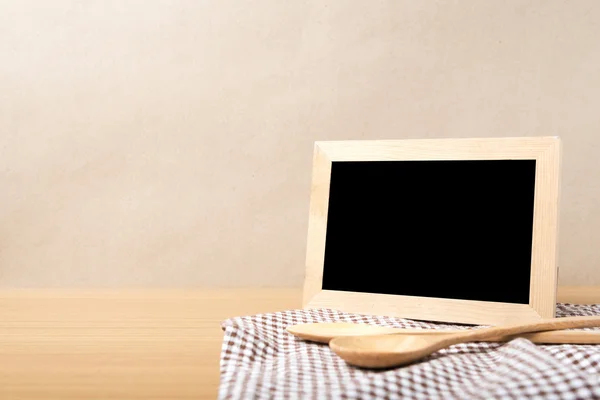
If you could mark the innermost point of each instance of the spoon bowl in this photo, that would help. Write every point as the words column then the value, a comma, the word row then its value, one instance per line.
column 377, row 351
column 323, row 332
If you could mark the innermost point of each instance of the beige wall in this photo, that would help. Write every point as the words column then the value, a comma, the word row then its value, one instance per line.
column 169, row 142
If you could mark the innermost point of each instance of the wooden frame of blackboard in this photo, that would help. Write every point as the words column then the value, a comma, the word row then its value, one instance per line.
column 543, row 280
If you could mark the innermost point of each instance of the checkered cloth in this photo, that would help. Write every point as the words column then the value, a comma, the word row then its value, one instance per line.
column 260, row 360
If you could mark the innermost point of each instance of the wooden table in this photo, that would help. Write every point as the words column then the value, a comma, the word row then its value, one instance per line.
column 130, row 344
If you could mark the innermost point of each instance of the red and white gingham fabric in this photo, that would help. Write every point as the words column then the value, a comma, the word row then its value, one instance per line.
column 260, row 360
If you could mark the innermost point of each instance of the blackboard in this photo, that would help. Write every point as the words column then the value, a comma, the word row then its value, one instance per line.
column 445, row 229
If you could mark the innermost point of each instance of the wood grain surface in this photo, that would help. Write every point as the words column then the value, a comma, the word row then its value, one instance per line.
column 131, row 344
column 126, row 345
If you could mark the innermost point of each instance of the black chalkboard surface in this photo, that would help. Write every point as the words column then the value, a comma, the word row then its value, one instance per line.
column 445, row 229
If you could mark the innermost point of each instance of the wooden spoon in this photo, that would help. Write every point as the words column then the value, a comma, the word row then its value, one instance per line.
column 323, row 332
column 384, row 351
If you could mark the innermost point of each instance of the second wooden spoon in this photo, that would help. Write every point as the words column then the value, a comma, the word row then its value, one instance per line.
column 323, row 332
column 384, row 351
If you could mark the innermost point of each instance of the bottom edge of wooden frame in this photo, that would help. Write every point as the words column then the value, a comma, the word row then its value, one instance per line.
column 424, row 309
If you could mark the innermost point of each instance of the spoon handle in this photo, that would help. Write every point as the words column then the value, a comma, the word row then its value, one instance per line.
column 510, row 330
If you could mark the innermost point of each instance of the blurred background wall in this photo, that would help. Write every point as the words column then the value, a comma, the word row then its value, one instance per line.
column 169, row 143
